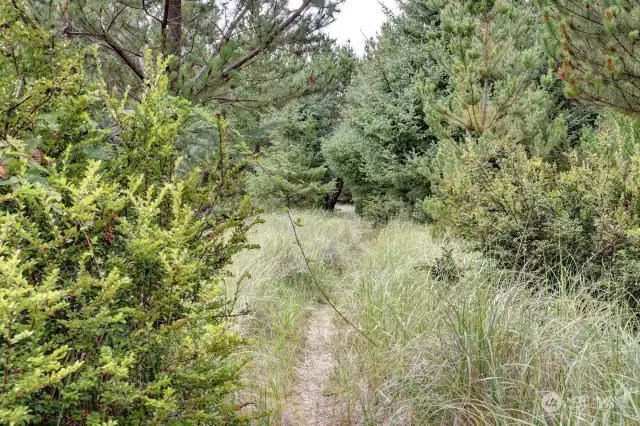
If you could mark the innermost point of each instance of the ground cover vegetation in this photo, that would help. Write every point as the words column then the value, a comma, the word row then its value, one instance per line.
column 457, row 339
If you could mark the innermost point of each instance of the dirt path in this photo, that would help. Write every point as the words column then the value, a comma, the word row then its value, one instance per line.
column 309, row 405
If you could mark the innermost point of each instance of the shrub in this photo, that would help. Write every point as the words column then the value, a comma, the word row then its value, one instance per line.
column 528, row 212
column 111, row 306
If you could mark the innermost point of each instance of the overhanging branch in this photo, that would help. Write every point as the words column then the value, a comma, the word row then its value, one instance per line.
column 263, row 46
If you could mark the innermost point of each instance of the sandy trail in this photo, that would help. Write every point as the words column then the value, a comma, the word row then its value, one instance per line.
column 309, row 405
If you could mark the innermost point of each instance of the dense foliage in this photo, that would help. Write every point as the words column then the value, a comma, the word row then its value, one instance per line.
column 594, row 46
column 127, row 187
column 444, row 78
column 111, row 304
column 294, row 170
column 383, row 145
column 111, row 307
column 530, row 213
column 536, row 187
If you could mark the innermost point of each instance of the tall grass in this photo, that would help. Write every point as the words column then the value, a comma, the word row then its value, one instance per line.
column 279, row 293
column 487, row 348
column 479, row 347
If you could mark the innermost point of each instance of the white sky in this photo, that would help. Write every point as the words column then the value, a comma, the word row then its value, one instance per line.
column 358, row 17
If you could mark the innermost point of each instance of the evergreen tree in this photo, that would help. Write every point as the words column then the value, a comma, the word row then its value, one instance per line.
column 488, row 54
column 383, row 142
column 288, row 175
column 494, row 102
column 224, row 51
column 594, row 46
column 290, row 141
column 292, row 166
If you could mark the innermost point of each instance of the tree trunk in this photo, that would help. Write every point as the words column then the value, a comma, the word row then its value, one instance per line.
column 172, row 32
column 331, row 200
column 485, row 89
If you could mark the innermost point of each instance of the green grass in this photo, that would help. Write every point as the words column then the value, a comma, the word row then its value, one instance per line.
column 279, row 293
column 482, row 348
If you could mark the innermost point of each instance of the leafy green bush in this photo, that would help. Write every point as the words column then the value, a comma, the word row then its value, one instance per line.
column 110, row 303
column 111, row 296
column 529, row 213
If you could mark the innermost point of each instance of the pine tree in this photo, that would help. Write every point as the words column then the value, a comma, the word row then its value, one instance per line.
column 488, row 54
column 594, row 44
column 224, row 51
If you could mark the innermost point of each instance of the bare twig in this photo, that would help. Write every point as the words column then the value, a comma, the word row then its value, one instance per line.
column 314, row 279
